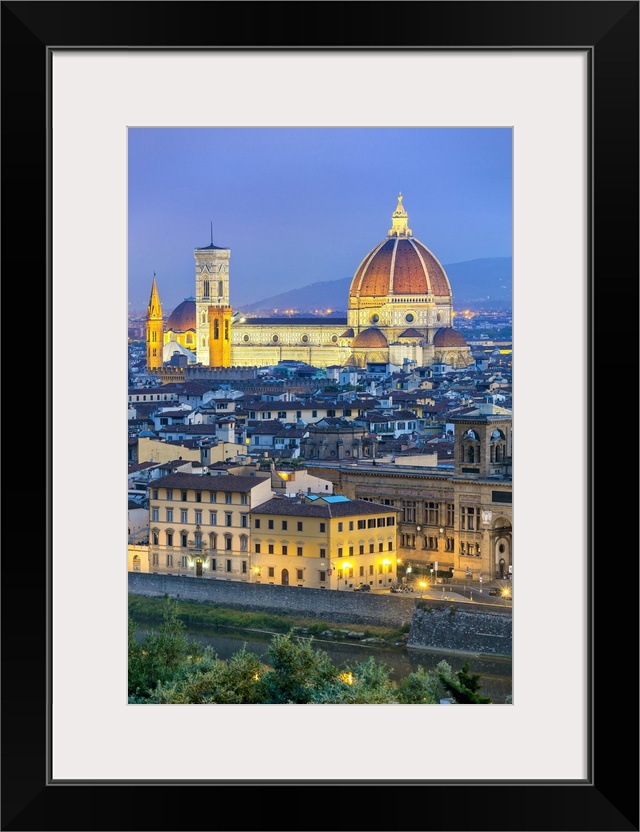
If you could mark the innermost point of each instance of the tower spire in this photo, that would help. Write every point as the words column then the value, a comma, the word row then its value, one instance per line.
column 211, row 232
column 399, row 221
column 155, row 330
column 154, row 309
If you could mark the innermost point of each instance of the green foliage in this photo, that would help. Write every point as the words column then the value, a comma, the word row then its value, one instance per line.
column 419, row 688
column 371, row 684
column 424, row 687
column 298, row 670
column 156, row 659
column 167, row 668
column 464, row 687
column 210, row 680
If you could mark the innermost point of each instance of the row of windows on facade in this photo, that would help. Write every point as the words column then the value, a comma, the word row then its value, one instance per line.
column 282, row 414
column 370, row 523
column 198, row 539
column 284, row 547
column 184, row 563
column 227, row 566
column 276, row 338
column 213, row 496
column 322, row 552
column 432, row 513
column 197, row 517
column 431, row 544
column 469, row 519
column 153, row 397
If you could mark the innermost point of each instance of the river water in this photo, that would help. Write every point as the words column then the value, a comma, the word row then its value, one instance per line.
column 495, row 674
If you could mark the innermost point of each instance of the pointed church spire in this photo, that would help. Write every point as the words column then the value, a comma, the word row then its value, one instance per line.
column 155, row 330
column 399, row 221
column 154, row 309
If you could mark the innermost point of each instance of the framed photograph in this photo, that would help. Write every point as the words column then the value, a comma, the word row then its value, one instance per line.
column 563, row 77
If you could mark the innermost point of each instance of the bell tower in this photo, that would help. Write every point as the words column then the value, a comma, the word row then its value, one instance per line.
column 212, row 292
column 483, row 442
column 155, row 330
column 219, row 336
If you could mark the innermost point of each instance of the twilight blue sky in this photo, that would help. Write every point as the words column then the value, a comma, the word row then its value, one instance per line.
column 302, row 205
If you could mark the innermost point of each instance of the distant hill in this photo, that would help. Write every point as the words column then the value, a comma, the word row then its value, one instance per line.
column 483, row 283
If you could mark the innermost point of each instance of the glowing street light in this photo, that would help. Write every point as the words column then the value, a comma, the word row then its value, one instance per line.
column 345, row 567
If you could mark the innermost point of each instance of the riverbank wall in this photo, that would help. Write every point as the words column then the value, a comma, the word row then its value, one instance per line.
column 433, row 625
column 343, row 607
column 456, row 628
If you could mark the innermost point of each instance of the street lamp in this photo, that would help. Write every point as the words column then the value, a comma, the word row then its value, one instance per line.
column 345, row 566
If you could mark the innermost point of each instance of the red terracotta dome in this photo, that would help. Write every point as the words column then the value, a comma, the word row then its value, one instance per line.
column 183, row 317
column 399, row 265
column 449, row 338
column 371, row 338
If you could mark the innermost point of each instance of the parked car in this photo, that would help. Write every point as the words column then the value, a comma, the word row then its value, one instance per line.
column 503, row 592
column 362, row 588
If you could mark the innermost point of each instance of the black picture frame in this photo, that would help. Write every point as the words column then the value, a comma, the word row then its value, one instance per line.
column 608, row 799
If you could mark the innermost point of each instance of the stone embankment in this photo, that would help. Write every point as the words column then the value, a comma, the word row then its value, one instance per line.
column 460, row 628
column 443, row 626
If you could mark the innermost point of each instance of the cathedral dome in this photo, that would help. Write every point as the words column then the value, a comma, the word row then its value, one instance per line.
column 449, row 338
column 183, row 317
column 371, row 337
column 399, row 265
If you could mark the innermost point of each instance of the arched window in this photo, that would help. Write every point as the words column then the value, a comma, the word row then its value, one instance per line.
column 219, row 288
column 205, row 289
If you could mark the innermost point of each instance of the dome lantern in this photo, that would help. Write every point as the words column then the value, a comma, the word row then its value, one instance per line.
column 399, row 221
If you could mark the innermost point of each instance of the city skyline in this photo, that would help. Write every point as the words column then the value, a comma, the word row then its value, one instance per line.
column 302, row 205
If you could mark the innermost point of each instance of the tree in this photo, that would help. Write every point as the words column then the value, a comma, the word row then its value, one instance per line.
column 157, row 657
column 464, row 687
column 297, row 671
column 207, row 679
